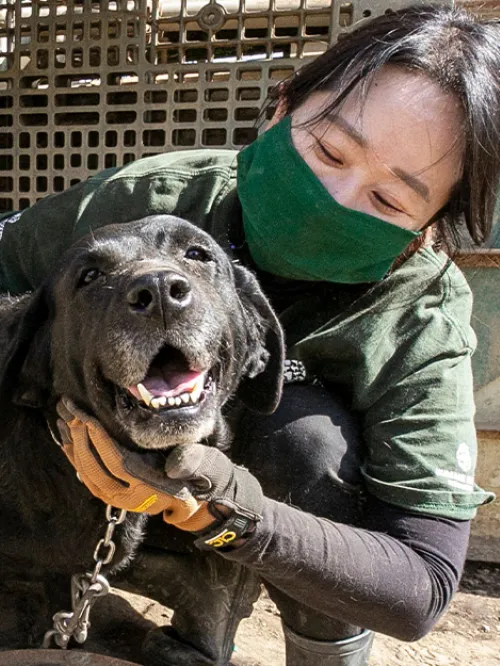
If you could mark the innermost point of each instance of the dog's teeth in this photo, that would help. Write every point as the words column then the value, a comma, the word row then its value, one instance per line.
column 185, row 398
column 145, row 394
column 171, row 402
column 161, row 401
column 195, row 394
column 178, row 402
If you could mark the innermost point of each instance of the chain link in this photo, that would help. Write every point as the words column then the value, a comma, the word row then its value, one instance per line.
column 86, row 588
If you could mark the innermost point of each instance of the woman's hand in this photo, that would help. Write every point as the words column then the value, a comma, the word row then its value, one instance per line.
column 195, row 486
column 124, row 478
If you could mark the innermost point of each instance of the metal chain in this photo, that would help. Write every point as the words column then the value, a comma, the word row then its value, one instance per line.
column 86, row 588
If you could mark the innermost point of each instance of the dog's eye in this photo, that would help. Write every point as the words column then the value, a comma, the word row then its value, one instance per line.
column 198, row 254
column 88, row 276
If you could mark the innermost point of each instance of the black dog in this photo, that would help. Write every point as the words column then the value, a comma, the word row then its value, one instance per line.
column 149, row 327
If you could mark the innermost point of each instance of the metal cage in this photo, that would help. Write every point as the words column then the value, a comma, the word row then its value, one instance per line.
column 88, row 84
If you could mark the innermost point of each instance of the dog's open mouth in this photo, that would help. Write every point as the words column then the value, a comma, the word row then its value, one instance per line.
column 171, row 383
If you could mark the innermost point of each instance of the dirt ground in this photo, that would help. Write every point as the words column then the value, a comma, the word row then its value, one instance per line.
column 468, row 635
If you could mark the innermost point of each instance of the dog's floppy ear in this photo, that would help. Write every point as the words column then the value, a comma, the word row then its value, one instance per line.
column 25, row 369
column 262, row 383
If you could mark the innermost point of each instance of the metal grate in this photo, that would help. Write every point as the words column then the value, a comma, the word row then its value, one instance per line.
column 88, row 84
column 485, row 8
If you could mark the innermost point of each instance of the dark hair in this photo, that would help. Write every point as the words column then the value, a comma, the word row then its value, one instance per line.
column 456, row 50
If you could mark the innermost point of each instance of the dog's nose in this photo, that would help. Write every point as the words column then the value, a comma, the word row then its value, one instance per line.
column 150, row 294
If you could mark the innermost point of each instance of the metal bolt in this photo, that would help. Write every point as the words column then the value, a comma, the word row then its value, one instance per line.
column 211, row 17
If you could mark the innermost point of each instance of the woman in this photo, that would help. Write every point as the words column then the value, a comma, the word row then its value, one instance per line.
column 381, row 152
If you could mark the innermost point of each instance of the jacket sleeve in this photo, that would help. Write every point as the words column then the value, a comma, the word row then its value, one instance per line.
column 30, row 245
column 421, row 441
column 190, row 184
column 395, row 575
column 405, row 362
column 419, row 431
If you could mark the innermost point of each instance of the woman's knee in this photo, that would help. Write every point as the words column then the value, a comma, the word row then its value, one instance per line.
column 305, row 621
column 308, row 453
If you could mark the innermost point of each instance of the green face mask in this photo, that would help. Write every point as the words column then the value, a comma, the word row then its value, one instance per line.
column 293, row 226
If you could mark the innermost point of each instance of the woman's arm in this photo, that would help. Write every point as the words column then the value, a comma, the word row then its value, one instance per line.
column 189, row 184
column 396, row 575
column 32, row 241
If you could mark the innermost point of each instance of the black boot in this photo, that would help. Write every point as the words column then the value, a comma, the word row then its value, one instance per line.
column 302, row 651
column 209, row 597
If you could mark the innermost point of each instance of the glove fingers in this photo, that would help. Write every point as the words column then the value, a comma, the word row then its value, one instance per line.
column 77, row 422
column 69, row 452
column 184, row 461
column 64, row 432
column 124, row 465
column 91, row 468
column 123, row 478
column 181, row 511
column 129, row 466
column 63, row 412
column 96, row 491
column 245, row 494
column 77, row 426
column 148, row 467
column 139, row 499
column 199, row 521
column 136, row 499
column 107, row 451
column 207, row 470
column 129, row 500
column 68, row 411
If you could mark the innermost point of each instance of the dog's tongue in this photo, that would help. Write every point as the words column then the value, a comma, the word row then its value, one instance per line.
column 170, row 383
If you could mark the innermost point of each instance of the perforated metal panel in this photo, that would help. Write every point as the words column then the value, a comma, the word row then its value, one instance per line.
column 86, row 85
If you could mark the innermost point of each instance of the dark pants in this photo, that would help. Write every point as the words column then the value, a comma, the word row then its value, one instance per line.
column 306, row 454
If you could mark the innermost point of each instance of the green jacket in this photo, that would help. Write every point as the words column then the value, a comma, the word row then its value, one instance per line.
column 400, row 353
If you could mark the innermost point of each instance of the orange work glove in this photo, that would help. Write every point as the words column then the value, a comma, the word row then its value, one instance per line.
column 126, row 479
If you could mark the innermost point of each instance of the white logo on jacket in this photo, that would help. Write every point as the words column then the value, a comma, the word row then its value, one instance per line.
column 464, row 458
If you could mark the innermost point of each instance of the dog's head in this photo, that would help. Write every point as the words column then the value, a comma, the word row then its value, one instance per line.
column 150, row 327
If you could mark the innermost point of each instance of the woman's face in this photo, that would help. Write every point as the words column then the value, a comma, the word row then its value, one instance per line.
column 395, row 155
